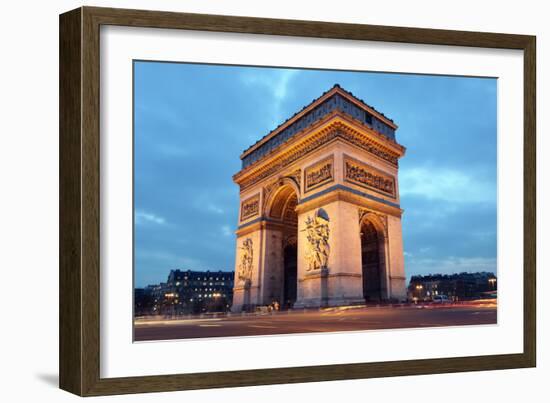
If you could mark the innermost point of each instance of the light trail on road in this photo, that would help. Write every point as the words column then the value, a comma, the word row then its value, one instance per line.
column 329, row 320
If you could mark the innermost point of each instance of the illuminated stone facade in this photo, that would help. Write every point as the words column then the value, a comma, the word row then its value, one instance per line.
column 320, row 219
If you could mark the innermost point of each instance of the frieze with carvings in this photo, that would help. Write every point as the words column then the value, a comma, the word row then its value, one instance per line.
column 250, row 207
column 366, row 176
column 315, row 143
column 319, row 174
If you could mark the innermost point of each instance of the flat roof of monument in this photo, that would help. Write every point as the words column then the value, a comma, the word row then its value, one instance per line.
column 335, row 98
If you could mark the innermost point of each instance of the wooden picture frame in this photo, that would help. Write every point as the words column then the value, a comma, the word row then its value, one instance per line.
column 79, row 347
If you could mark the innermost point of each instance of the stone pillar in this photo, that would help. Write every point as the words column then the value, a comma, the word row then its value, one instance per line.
column 346, row 279
column 241, row 294
column 340, row 283
column 247, row 280
column 396, row 288
column 309, row 281
column 273, row 266
column 241, row 298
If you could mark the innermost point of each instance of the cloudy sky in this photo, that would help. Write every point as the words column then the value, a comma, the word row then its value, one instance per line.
column 193, row 121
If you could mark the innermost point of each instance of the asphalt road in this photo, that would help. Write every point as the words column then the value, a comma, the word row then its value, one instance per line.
column 333, row 320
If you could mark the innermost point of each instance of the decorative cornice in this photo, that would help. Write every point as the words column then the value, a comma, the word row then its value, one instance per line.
column 350, row 195
column 259, row 223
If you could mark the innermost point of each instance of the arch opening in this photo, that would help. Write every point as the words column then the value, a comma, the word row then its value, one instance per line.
column 283, row 210
column 372, row 261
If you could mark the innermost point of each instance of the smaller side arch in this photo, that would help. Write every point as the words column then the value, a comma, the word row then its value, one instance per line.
column 374, row 256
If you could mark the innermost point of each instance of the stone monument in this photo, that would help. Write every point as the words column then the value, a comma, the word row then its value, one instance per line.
column 320, row 218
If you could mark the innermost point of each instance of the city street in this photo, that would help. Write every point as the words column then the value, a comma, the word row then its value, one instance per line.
column 327, row 320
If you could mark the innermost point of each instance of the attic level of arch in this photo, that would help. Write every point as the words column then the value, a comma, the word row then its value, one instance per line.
column 336, row 127
column 335, row 99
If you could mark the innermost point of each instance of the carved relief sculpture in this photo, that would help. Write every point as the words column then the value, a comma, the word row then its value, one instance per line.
column 250, row 207
column 318, row 248
column 369, row 177
column 245, row 267
column 319, row 174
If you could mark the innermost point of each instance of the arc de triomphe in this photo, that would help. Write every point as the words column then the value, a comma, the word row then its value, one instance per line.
column 320, row 220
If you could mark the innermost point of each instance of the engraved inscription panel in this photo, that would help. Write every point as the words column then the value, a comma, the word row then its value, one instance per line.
column 366, row 176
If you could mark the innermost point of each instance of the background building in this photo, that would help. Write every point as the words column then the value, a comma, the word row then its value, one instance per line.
column 459, row 286
column 186, row 292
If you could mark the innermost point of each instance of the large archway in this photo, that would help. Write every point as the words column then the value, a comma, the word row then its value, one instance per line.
column 283, row 211
column 372, row 262
column 345, row 166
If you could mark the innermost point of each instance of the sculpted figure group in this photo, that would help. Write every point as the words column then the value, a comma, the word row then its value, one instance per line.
column 247, row 255
column 318, row 233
